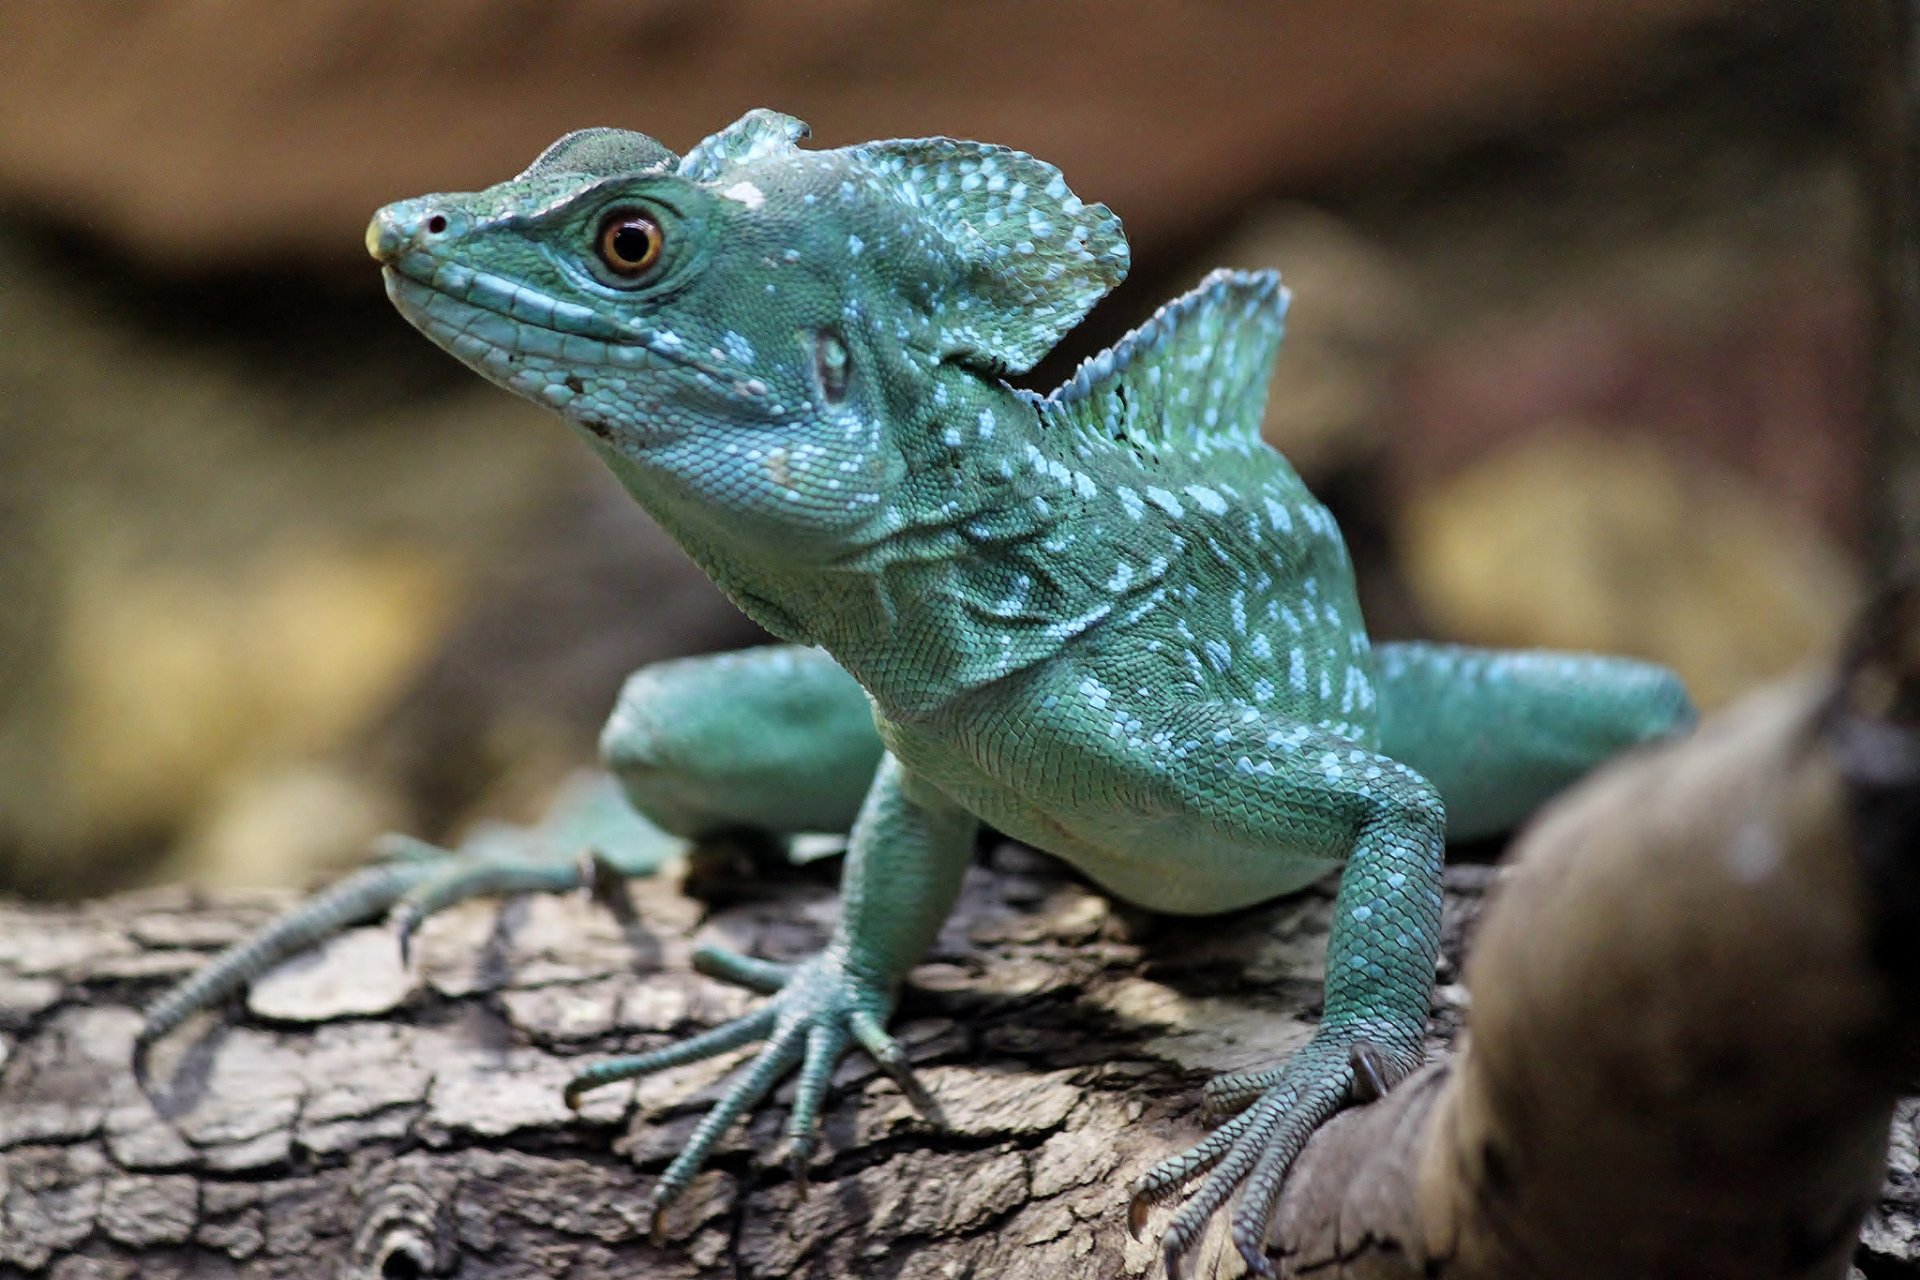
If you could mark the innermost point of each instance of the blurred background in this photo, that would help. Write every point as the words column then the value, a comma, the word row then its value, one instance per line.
column 1579, row 353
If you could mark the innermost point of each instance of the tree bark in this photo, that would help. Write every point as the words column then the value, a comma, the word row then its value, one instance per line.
column 358, row 1118
column 363, row 1119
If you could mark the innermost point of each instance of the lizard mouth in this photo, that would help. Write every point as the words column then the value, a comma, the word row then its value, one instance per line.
column 493, row 324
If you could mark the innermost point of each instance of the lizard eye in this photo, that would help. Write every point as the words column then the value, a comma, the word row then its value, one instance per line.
column 629, row 243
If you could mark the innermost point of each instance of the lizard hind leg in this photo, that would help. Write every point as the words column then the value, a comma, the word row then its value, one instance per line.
column 777, row 739
column 1500, row 731
column 362, row 896
column 589, row 832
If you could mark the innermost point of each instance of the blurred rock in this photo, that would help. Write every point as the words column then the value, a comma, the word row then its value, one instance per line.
column 176, row 674
column 194, row 133
column 1588, row 537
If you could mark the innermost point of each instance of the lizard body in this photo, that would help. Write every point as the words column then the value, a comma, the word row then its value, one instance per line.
column 1110, row 621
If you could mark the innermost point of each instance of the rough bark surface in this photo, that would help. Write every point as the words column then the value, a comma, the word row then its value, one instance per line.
column 360, row 1119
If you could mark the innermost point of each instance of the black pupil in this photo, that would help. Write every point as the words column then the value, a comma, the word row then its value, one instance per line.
column 631, row 243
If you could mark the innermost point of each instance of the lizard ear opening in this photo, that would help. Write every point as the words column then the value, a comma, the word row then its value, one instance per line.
column 1033, row 257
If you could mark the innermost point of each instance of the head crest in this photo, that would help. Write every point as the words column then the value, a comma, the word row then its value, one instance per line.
column 754, row 136
column 1032, row 258
column 1035, row 256
column 601, row 153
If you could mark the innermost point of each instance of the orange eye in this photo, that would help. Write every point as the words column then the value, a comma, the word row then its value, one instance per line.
column 629, row 243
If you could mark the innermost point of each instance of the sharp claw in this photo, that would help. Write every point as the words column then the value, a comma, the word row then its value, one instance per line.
column 900, row 1071
column 800, row 1149
column 1256, row 1260
column 920, row 1100
column 1369, row 1080
column 142, row 1046
column 1171, row 1255
column 1137, row 1209
column 657, row 1220
column 405, row 921
column 797, row 1163
column 571, row 1094
column 598, row 879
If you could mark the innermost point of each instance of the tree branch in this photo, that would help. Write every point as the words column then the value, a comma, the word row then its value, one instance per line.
column 1693, row 1009
column 1695, row 1005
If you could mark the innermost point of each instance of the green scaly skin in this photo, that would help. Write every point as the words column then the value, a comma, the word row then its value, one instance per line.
column 1110, row 622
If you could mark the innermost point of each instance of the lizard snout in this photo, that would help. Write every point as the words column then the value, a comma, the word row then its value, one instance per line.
column 403, row 226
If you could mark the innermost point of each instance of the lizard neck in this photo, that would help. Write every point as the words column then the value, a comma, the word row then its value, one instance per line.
column 961, row 576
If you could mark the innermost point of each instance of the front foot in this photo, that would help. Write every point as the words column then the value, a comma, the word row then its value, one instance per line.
column 819, row 1009
column 1254, row 1149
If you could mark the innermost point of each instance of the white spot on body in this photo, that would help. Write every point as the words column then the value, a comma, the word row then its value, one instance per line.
column 1209, row 500
column 1166, row 502
column 1096, row 694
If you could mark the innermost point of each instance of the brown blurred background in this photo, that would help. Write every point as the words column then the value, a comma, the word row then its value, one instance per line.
column 1579, row 353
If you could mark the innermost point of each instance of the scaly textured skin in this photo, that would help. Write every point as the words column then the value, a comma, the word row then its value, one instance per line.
column 1111, row 622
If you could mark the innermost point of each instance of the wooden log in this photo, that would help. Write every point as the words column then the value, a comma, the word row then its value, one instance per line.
column 1695, row 1006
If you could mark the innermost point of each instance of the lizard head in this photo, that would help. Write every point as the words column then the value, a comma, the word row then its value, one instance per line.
column 750, row 332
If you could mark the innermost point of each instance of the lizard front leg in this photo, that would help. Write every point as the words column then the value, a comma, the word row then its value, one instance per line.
column 1312, row 794
column 910, row 847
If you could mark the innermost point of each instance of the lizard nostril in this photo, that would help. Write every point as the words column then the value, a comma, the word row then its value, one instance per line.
column 400, row 1265
column 436, row 224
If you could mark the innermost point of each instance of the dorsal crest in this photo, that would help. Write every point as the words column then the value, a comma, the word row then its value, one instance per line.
column 1191, row 380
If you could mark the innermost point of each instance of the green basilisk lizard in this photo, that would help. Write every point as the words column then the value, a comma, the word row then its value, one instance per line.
column 1109, row 621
